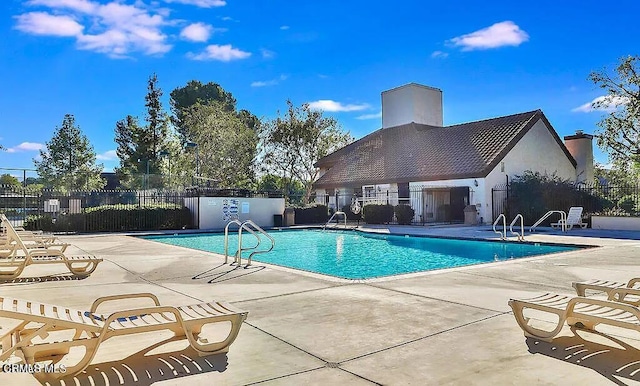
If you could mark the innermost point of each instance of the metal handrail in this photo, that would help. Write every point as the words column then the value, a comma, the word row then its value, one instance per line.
column 503, row 234
column 521, row 234
column 334, row 215
column 226, row 238
column 260, row 230
column 563, row 219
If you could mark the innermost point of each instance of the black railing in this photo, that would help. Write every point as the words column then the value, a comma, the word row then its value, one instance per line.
column 595, row 199
column 430, row 206
column 93, row 211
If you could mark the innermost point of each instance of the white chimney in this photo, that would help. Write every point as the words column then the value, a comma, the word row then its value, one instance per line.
column 580, row 145
column 412, row 103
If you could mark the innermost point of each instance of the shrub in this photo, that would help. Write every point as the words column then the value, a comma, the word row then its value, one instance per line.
column 317, row 214
column 34, row 223
column 627, row 203
column 108, row 218
column 377, row 214
column 533, row 194
column 404, row 214
column 350, row 215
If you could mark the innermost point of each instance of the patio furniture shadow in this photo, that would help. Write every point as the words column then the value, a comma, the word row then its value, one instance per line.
column 225, row 272
column 142, row 369
column 614, row 360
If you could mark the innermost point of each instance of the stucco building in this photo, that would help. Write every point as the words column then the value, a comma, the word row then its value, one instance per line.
column 438, row 169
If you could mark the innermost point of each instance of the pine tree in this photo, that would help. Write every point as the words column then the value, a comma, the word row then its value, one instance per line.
column 69, row 161
column 139, row 146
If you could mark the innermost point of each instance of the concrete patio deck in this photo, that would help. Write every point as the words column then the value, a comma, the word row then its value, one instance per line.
column 444, row 327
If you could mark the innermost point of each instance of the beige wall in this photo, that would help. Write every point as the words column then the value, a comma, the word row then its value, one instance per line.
column 615, row 223
column 536, row 151
column 212, row 210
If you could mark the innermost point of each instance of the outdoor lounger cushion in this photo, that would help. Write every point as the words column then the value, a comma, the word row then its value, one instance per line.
column 588, row 312
column 15, row 256
column 31, row 342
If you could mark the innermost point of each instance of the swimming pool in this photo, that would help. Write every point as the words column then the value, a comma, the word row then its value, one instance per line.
column 358, row 255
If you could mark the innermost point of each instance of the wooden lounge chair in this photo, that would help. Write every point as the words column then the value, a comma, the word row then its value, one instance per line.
column 31, row 342
column 576, row 311
column 20, row 255
column 574, row 218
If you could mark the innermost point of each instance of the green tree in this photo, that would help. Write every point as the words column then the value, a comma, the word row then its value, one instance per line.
column 9, row 180
column 619, row 133
column 139, row 146
column 69, row 161
column 194, row 92
column 226, row 146
column 291, row 145
column 620, row 174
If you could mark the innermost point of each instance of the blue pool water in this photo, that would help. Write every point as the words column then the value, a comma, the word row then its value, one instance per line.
column 357, row 255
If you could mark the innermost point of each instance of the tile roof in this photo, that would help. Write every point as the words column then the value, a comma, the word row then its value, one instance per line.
column 417, row 152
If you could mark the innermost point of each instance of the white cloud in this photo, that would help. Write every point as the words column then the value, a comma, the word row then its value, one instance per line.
column 284, row 27
column 85, row 6
column 439, row 54
column 200, row 3
column 26, row 146
column 272, row 82
column 112, row 28
column 602, row 103
column 225, row 53
column 370, row 116
column 505, row 33
column 267, row 54
column 42, row 23
column 197, row 32
column 110, row 155
column 333, row 106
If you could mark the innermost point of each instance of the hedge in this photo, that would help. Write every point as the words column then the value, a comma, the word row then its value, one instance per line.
column 404, row 214
column 377, row 214
column 318, row 214
column 115, row 218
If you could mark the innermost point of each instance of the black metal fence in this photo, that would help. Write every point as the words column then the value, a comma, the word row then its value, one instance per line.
column 430, row 205
column 109, row 210
column 86, row 211
column 595, row 199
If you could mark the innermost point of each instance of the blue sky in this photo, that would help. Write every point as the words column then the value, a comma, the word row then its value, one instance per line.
column 92, row 59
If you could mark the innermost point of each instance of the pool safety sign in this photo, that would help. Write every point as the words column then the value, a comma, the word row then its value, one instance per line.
column 230, row 209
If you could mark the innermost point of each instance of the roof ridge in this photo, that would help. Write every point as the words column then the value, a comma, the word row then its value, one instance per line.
column 532, row 113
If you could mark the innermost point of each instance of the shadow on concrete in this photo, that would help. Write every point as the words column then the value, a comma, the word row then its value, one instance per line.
column 42, row 279
column 143, row 369
column 223, row 272
column 614, row 360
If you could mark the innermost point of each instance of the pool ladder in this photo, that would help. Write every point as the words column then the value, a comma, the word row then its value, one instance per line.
column 503, row 233
column 253, row 229
column 344, row 215
column 563, row 220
